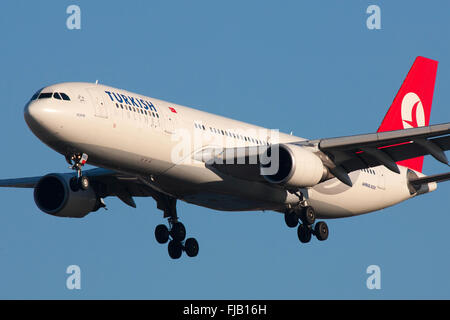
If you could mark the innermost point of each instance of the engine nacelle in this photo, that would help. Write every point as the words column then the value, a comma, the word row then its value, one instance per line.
column 54, row 196
column 298, row 167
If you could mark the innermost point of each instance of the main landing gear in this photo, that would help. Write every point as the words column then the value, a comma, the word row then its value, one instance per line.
column 306, row 229
column 77, row 161
column 175, row 233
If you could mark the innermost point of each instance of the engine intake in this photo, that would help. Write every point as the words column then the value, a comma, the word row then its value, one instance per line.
column 53, row 195
column 297, row 167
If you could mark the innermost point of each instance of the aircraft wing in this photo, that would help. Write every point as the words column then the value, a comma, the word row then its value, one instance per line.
column 385, row 148
column 346, row 154
column 30, row 182
column 343, row 155
column 108, row 183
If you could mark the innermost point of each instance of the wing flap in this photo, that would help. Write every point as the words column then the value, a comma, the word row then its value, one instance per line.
column 397, row 152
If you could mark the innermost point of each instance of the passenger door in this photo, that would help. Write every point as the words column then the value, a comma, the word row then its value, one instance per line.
column 100, row 108
column 170, row 120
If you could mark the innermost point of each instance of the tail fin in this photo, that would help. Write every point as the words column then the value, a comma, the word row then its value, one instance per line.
column 411, row 107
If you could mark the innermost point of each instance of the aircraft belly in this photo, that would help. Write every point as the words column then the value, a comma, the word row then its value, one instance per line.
column 204, row 187
column 225, row 202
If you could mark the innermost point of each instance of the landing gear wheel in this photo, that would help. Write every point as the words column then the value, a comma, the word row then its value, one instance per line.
column 304, row 233
column 191, row 247
column 321, row 231
column 178, row 232
column 291, row 219
column 162, row 234
column 74, row 185
column 175, row 249
column 83, row 182
column 308, row 216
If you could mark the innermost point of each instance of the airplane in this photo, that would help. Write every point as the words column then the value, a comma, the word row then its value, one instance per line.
column 146, row 147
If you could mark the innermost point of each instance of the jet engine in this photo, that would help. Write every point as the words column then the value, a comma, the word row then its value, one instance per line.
column 54, row 195
column 297, row 166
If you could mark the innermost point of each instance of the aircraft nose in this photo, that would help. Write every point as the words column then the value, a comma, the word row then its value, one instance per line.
column 33, row 113
column 41, row 118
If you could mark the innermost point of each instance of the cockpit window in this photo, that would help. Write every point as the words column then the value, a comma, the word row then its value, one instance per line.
column 34, row 97
column 45, row 95
column 65, row 96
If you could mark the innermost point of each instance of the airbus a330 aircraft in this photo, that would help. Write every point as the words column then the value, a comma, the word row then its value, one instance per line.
column 145, row 147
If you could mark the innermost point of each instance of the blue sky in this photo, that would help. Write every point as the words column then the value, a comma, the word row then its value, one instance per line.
column 311, row 67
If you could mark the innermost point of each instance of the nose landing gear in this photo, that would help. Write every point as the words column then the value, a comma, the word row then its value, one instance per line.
column 77, row 161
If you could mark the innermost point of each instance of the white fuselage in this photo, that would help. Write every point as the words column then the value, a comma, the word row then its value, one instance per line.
column 158, row 141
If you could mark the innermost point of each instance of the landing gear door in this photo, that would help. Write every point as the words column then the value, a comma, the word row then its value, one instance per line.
column 99, row 103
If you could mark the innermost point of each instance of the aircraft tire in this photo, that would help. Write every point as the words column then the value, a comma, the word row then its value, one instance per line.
column 175, row 249
column 321, row 231
column 291, row 219
column 304, row 233
column 178, row 232
column 162, row 234
column 74, row 185
column 191, row 247
column 308, row 216
column 84, row 182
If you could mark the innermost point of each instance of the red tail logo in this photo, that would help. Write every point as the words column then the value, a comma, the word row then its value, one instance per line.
column 411, row 107
column 413, row 114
